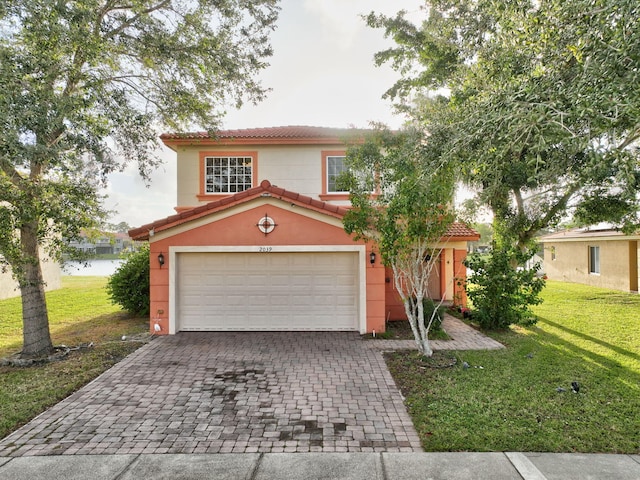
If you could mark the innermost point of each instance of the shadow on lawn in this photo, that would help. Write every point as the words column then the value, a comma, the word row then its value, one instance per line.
column 615, row 348
column 626, row 374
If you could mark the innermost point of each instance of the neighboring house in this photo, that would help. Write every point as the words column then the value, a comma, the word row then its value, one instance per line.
column 106, row 243
column 51, row 273
column 599, row 257
column 258, row 241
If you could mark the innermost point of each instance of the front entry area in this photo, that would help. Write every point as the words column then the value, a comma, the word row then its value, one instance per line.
column 268, row 290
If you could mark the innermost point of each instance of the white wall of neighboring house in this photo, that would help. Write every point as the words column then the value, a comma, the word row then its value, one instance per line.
column 110, row 244
column 51, row 271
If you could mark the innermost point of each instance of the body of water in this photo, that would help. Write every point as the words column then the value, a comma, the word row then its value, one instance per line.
column 93, row 268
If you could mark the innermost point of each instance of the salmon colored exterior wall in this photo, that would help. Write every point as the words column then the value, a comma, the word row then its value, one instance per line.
column 394, row 309
column 241, row 230
column 460, row 278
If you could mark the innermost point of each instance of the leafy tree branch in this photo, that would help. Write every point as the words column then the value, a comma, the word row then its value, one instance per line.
column 84, row 86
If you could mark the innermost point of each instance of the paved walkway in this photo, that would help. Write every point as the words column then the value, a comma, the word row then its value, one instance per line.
column 219, row 392
column 463, row 337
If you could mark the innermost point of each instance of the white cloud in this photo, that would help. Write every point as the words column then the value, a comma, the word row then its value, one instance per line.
column 138, row 203
column 341, row 19
column 322, row 71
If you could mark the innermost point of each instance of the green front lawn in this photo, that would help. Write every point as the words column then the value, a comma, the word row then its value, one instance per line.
column 512, row 403
column 79, row 313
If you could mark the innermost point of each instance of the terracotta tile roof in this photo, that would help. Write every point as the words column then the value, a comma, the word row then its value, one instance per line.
column 461, row 231
column 265, row 187
column 458, row 230
column 585, row 234
column 292, row 134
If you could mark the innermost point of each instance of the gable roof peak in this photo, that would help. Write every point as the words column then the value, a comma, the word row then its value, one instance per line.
column 265, row 189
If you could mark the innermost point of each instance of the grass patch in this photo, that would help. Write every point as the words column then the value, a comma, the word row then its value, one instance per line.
column 401, row 330
column 80, row 312
column 584, row 334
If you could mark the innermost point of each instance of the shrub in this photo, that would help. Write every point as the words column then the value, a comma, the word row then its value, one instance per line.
column 129, row 285
column 429, row 307
column 501, row 290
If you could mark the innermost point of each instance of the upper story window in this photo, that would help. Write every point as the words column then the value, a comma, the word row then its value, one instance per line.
column 227, row 174
column 336, row 166
column 333, row 165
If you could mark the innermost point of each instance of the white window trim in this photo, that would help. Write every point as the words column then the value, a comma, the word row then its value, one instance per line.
column 592, row 271
column 228, row 157
column 337, row 192
column 329, row 191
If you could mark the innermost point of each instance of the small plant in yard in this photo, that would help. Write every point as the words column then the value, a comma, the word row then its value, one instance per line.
column 129, row 285
column 401, row 330
column 408, row 220
column 501, row 291
column 436, row 319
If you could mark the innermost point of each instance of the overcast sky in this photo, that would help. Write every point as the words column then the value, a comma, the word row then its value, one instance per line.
column 322, row 74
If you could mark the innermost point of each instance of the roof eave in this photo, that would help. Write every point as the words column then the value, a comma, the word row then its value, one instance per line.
column 146, row 231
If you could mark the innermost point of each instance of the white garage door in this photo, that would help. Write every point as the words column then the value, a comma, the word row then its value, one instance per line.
column 267, row 291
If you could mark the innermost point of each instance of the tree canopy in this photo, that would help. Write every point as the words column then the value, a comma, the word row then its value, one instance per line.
column 539, row 103
column 84, row 87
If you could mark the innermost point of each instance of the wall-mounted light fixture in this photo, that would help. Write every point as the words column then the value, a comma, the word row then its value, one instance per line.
column 161, row 259
column 372, row 258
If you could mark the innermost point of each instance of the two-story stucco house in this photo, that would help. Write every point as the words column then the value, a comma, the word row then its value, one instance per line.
column 258, row 244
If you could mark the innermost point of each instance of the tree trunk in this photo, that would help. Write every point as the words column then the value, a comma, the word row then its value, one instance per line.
column 35, row 320
column 420, row 335
column 426, row 349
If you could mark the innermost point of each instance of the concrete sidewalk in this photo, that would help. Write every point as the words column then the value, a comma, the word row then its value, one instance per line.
column 310, row 466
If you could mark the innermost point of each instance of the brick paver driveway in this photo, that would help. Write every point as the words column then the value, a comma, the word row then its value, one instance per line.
column 230, row 392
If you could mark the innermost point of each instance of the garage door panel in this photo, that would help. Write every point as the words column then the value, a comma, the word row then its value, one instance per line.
column 278, row 301
column 274, row 291
column 254, row 280
column 279, row 280
column 257, row 300
column 237, row 261
column 345, row 280
column 299, row 260
column 343, row 300
column 325, row 281
column 239, row 281
column 300, row 300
